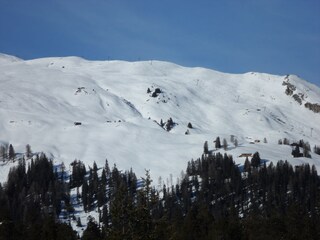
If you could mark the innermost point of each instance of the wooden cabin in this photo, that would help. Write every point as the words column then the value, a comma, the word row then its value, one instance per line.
column 245, row 155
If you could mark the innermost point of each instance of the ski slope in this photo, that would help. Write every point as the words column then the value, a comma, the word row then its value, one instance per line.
column 41, row 99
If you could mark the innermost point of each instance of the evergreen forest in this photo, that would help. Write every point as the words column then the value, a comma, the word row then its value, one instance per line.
column 213, row 199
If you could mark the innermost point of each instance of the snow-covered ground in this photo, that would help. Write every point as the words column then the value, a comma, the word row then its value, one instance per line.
column 41, row 99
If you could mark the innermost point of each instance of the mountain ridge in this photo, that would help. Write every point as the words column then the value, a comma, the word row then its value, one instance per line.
column 42, row 98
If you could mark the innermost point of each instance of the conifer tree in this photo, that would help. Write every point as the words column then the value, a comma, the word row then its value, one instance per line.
column 161, row 122
column 236, row 143
column 255, row 160
column 217, row 144
column 306, row 150
column 316, row 150
column 225, row 144
column 146, row 199
column 102, row 194
column 105, row 215
column 296, row 151
column 92, row 231
column 28, row 151
column 2, row 153
column 120, row 207
column 11, row 153
column 79, row 224
column 107, row 168
column 286, row 141
column 85, row 195
column 205, row 148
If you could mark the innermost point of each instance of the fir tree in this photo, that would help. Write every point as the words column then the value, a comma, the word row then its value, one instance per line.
column 205, row 148
column 247, row 165
column 286, row 141
column 306, row 150
column 107, row 168
column 85, row 195
column 3, row 154
column 11, row 153
column 161, row 122
column 92, row 231
column 28, row 151
column 217, row 143
column 79, row 224
column 236, row 143
column 316, row 150
column 296, row 152
column 255, row 160
column 225, row 144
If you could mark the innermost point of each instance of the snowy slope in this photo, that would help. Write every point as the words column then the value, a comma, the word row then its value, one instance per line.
column 41, row 99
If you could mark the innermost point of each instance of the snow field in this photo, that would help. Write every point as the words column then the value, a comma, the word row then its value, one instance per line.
column 41, row 99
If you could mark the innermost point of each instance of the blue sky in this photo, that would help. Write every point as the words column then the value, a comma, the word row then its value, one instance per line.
column 273, row 36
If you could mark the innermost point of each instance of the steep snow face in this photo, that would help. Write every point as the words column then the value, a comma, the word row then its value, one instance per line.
column 41, row 99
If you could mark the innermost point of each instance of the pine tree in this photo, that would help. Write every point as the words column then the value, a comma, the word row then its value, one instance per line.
column 225, row 144
column 161, row 123
column 102, row 195
column 79, row 224
column 63, row 168
column 286, row 141
column 28, row 151
column 105, row 215
column 296, row 151
column 236, row 142
column 3, row 154
column 107, row 168
column 301, row 143
column 11, row 153
column 247, row 165
column 217, row 143
column 120, row 207
column 306, row 150
column 169, row 124
column 205, row 148
column 255, row 160
column 85, row 195
column 316, row 150
column 92, row 231
column 146, row 199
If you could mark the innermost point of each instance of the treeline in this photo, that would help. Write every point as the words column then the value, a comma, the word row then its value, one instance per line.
column 215, row 199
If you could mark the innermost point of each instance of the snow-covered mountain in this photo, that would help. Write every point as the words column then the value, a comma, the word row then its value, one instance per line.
column 120, row 106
